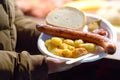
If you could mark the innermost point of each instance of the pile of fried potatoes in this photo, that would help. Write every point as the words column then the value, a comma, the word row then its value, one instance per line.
column 69, row 48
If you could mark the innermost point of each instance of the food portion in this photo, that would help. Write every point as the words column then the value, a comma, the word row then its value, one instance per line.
column 93, row 25
column 69, row 48
column 67, row 17
column 89, row 6
column 65, row 40
column 102, row 41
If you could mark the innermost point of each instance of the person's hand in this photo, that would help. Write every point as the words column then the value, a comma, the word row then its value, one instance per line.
column 57, row 65
column 54, row 65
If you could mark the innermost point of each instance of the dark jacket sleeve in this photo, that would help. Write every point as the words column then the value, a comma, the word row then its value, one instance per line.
column 27, row 34
column 14, row 66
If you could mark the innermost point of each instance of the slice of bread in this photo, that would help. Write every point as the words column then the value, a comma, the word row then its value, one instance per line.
column 67, row 17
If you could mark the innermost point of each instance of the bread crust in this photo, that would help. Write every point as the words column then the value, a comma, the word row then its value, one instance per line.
column 67, row 17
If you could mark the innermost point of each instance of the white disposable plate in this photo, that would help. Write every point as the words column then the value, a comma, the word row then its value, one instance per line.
column 90, row 17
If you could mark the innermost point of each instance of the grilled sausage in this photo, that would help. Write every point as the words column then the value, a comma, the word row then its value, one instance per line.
column 102, row 41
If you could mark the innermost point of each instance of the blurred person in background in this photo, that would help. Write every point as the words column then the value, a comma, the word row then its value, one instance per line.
column 20, row 58
column 39, row 8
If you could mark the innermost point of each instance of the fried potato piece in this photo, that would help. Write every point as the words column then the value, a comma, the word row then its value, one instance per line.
column 94, row 25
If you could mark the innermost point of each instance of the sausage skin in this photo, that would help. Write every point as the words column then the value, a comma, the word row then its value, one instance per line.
column 102, row 41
